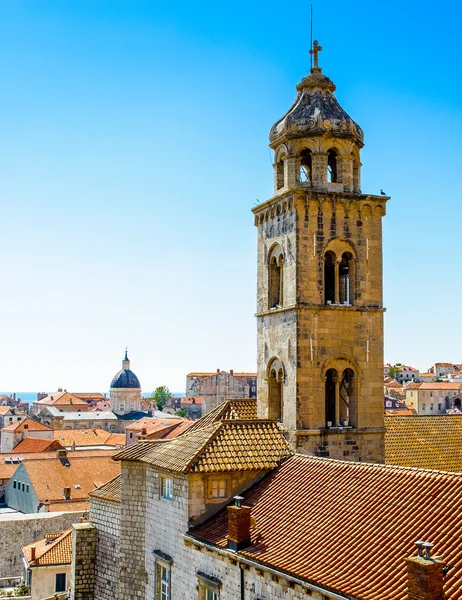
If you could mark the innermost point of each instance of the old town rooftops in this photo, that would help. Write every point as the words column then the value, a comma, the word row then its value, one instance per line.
column 88, row 437
column 32, row 445
column 347, row 526
column 432, row 442
column 52, row 550
column 222, row 446
column 24, row 424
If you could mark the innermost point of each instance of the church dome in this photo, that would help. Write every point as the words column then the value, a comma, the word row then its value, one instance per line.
column 315, row 112
column 125, row 378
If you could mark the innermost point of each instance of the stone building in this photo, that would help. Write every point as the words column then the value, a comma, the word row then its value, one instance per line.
column 433, row 398
column 319, row 283
column 220, row 386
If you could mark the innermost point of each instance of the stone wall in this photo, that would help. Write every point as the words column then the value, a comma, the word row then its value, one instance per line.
column 83, row 561
column 18, row 530
column 105, row 516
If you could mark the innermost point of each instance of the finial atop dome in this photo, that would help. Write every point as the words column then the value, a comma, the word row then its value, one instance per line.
column 126, row 362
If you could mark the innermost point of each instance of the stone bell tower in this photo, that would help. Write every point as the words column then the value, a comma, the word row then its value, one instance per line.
column 319, row 305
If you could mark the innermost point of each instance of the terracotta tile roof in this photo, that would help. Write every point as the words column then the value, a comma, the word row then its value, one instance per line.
column 7, row 467
column 69, row 506
column 402, row 412
column 31, row 444
column 192, row 400
column 439, row 386
column 109, row 491
column 90, row 396
column 88, row 437
column 57, row 551
column 222, row 446
column 179, row 429
column 242, row 409
column 5, row 409
column 63, row 399
column 430, row 442
column 82, row 475
column 347, row 526
column 31, row 425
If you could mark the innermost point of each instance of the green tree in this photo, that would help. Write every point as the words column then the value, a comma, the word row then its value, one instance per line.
column 393, row 372
column 160, row 396
column 181, row 413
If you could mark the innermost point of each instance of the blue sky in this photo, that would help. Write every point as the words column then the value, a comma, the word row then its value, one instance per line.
column 133, row 144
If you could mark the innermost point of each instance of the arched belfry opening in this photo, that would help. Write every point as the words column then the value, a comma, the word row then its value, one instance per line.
column 332, row 166
column 330, row 397
column 329, row 278
column 275, row 277
column 341, row 397
column 279, row 174
column 345, row 280
column 275, row 380
column 305, row 166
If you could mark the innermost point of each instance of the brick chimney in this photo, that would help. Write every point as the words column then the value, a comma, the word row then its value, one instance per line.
column 32, row 553
column 231, row 372
column 238, row 525
column 425, row 574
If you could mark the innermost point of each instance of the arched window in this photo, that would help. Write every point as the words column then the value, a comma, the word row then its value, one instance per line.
column 332, row 166
column 329, row 278
column 331, row 397
column 279, row 174
column 345, row 279
column 275, row 393
column 347, row 397
column 305, row 166
column 275, row 277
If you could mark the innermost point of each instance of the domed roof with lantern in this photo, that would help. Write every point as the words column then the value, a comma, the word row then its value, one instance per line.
column 316, row 111
column 125, row 378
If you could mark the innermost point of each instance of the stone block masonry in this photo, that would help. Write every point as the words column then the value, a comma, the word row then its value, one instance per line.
column 18, row 530
column 83, row 563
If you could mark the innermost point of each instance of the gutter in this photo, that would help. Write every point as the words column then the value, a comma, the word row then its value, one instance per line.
column 189, row 540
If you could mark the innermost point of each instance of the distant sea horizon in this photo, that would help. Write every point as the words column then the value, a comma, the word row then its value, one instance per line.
column 30, row 397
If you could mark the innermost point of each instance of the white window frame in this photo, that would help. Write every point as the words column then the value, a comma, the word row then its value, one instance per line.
column 208, row 586
column 163, row 589
column 220, row 481
column 166, row 488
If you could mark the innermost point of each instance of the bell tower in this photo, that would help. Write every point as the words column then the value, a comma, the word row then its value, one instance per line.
column 319, row 298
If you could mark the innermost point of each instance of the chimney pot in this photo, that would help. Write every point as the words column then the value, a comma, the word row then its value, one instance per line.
column 425, row 575
column 32, row 553
column 238, row 525
column 231, row 372
column 218, row 370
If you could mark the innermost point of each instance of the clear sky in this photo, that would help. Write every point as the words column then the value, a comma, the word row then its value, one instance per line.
column 133, row 144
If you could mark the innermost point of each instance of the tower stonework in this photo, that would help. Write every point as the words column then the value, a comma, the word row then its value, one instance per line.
column 319, row 298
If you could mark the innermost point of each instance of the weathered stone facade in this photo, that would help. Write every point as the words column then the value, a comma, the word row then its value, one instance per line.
column 319, row 304
column 105, row 516
column 216, row 388
column 83, row 565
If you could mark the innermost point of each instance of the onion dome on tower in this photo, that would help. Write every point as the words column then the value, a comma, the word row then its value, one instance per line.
column 316, row 142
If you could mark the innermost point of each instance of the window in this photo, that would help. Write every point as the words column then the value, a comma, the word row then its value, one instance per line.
column 14, row 484
column 431, row 406
column 27, row 488
column 218, row 488
column 163, row 581
column 209, row 587
column 60, row 582
column 439, row 406
column 23, row 487
column 332, row 166
column 166, row 488
column 423, row 406
column 275, row 380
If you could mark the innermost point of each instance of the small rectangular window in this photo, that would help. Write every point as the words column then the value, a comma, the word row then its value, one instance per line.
column 23, row 487
column 218, row 488
column 60, row 582
column 209, row 587
column 439, row 406
column 27, row 488
column 431, row 406
column 423, row 406
column 14, row 484
column 167, row 488
column 163, row 582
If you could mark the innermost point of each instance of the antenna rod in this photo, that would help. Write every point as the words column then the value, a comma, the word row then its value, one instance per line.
column 311, row 36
